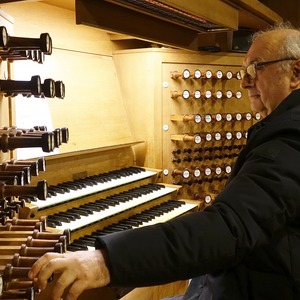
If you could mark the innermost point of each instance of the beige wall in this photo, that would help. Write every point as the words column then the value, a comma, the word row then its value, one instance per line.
column 93, row 108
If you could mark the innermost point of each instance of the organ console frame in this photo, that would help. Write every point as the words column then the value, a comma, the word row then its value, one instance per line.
column 155, row 107
column 88, row 163
column 150, row 105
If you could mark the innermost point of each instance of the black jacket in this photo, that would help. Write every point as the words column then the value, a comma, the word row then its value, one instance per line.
column 247, row 244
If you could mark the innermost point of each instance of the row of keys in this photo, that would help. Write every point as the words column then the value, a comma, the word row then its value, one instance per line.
column 197, row 94
column 71, row 190
column 208, row 74
column 203, row 170
column 22, row 242
column 19, row 172
column 14, row 175
column 12, row 138
column 9, row 207
column 10, row 43
column 34, row 87
column 75, row 218
column 179, row 160
column 218, row 117
column 208, row 149
column 34, row 55
column 200, row 181
column 156, row 214
column 197, row 138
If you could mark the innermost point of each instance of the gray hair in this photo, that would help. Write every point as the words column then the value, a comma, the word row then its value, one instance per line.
column 290, row 46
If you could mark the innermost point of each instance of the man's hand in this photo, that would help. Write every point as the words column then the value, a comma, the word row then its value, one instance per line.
column 79, row 271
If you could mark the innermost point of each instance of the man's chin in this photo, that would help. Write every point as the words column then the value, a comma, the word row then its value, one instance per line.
column 256, row 105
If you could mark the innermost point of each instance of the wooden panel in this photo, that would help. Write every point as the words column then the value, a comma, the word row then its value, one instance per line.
column 60, row 23
column 190, row 106
column 150, row 106
column 89, row 162
column 67, row 4
column 139, row 75
column 93, row 108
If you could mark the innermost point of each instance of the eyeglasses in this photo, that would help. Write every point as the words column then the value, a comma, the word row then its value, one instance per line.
column 251, row 69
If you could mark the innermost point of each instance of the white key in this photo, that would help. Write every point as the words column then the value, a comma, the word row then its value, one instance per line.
column 176, row 212
column 112, row 210
column 60, row 198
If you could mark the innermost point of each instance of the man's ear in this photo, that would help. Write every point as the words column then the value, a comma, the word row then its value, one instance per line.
column 295, row 80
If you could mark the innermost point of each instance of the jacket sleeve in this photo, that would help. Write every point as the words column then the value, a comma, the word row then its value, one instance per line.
column 253, row 206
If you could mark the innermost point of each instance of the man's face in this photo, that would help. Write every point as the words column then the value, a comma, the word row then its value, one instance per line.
column 271, row 84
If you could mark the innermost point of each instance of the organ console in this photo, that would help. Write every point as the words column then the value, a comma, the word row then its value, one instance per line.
column 101, row 190
column 78, row 211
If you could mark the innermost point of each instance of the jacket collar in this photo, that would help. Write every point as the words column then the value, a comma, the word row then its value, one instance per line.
column 291, row 101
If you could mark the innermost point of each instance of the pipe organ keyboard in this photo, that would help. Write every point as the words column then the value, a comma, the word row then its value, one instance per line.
column 154, row 215
column 75, row 211
column 67, row 191
column 103, row 208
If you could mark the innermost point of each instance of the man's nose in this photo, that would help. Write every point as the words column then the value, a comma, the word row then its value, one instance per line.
column 247, row 82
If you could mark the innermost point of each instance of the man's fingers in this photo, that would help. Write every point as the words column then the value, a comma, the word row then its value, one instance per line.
column 78, row 271
column 38, row 265
column 75, row 290
column 45, row 267
column 65, row 280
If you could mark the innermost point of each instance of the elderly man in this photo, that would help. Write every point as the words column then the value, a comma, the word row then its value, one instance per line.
column 247, row 244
